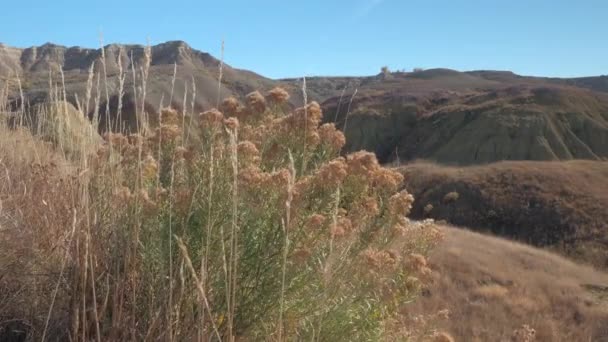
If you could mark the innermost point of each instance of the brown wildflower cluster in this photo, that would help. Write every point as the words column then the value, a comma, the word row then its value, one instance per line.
column 231, row 106
column 332, row 137
column 254, row 178
column 366, row 207
column 365, row 165
column 341, row 227
column 381, row 260
column 128, row 147
column 169, row 116
column 255, row 109
column 338, row 206
column 278, row 95
column 332, row 173
column 400, row 203
column 231, row 123
column 305, row 119
column 211, row 119
column 248, row 153
column 256, row 103
column 427, row 231
column 419, row 264
column 167, row 133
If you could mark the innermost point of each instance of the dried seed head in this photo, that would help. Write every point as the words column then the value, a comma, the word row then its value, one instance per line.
column 311, row 114
column 167, row 133
column 369, row 206
column 378, row 260
column 256, row 103
column 253, row 177
column 331, row 137
column 342, row 227
column 278, row 95
column 280, row 178
column 169, row 116
column 362, row 163
column 248, row 152
column 230, row 106
column 332, row 173
column 211, row 118
column 418, row 261
column 400, row 204
column 386, row 179
column 231, row 123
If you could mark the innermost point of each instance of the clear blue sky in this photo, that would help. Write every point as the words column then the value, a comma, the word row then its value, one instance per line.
column 285, row 38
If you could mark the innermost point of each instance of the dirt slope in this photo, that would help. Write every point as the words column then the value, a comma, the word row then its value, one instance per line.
column 464, row 118
column 436, row 114
column 493, row 286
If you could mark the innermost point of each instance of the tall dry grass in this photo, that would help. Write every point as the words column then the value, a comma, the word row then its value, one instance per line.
column 239, row 224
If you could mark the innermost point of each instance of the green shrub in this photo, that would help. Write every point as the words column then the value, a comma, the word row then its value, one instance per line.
column 255, row 228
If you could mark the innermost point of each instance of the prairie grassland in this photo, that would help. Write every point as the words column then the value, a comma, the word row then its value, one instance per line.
column 499, row 290
column 239, row 223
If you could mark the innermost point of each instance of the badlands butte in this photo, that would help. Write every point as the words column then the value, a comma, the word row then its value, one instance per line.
column 516, row 157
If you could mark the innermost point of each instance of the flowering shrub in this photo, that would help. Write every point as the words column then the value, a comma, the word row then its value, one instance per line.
column 254, row 229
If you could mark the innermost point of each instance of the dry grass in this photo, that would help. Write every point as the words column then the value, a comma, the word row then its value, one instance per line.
column 560, row 205
column 34, row 190
column 493, row 287
column 251, row 228
column 492, row 291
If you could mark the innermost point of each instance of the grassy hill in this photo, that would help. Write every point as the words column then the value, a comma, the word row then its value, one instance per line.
column 560, row 205
column 493, row 287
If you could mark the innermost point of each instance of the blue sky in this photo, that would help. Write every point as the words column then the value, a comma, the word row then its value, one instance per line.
column 286, row 38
